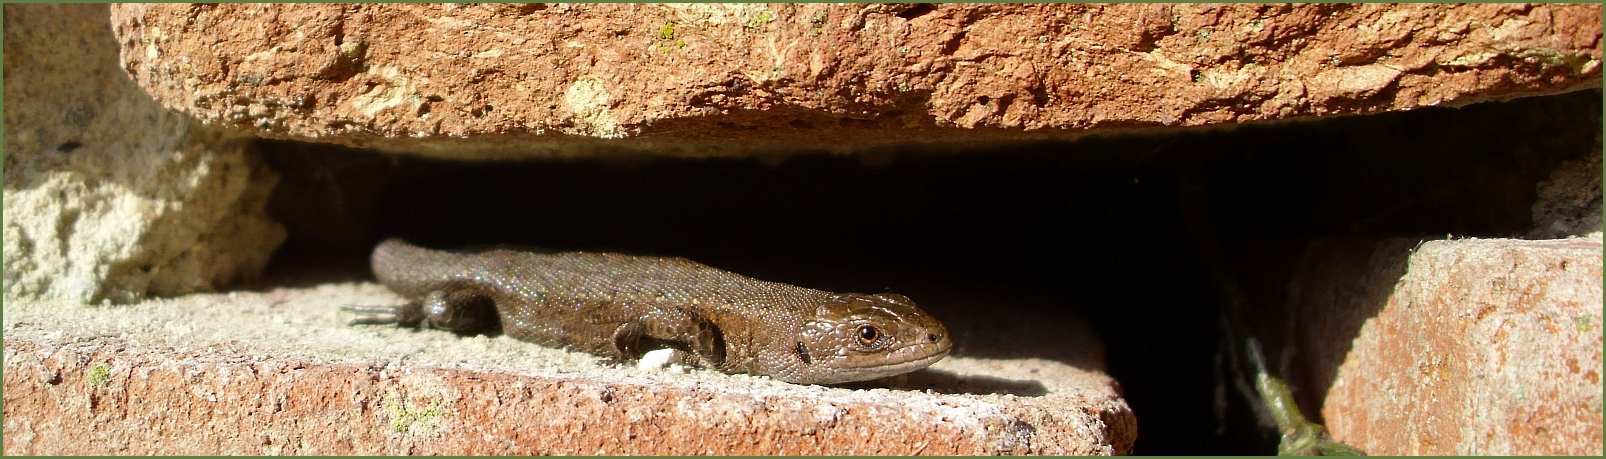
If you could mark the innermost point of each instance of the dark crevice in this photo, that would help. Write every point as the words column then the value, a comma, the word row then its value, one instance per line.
column 952, row 45
column 918, row 10
column 1094, row 225
column 69, row 146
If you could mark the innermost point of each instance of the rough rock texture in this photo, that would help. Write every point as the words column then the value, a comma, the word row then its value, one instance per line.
column 1569, row 203
column 1454, row 347
column 277, row 373
column 109, row 196
column 708, row 79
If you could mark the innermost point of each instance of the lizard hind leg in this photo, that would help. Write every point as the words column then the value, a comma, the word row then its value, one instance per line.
column 464, row 311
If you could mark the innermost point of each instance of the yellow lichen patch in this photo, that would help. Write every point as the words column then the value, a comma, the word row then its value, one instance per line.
column 591, row 105
column 100, row 375
column 404, row 418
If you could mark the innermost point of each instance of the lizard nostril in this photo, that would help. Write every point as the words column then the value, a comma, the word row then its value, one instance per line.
column 934, row 337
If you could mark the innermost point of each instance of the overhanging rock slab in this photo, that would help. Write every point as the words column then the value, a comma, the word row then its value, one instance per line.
column 477, row 81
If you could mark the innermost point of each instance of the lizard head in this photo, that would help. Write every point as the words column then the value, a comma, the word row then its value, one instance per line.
column 857, row 337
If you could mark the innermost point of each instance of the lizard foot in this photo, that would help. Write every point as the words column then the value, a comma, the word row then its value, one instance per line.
column 374, row 315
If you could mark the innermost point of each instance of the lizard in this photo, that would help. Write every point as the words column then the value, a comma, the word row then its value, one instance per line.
column 619, row 306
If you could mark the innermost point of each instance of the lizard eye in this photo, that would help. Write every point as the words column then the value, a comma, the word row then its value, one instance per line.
column 868, row 334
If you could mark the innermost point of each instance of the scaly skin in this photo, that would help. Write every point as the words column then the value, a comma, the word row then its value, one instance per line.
column 620, row 306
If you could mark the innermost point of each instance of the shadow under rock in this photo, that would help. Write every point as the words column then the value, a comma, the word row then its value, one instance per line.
column 1341, row 283
column 943, row 382
column 990, row 324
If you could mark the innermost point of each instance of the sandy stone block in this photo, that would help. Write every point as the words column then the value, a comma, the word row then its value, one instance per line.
column 109, row 196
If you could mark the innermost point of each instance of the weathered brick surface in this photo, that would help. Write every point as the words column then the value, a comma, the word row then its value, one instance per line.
column 1470, row 346
column 278, row 373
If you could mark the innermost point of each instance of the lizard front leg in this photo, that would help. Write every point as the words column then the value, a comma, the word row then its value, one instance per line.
column 673, row 328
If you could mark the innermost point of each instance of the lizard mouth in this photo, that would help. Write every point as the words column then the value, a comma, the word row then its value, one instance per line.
column 922, row 355
column 918, row 363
